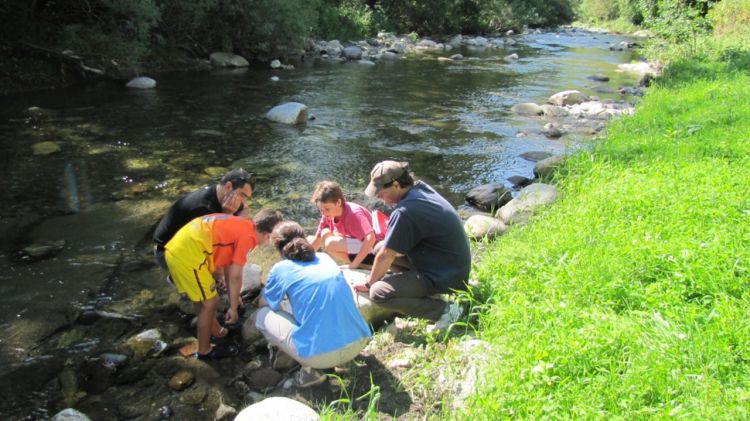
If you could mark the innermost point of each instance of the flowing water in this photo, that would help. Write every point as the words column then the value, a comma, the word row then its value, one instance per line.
column 126, row 154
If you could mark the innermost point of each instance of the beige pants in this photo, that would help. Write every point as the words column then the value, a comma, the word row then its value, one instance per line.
column 277, row 328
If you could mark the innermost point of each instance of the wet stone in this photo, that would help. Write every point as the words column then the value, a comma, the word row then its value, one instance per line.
column 263, row 378
column 181, row 380
column 193, row 396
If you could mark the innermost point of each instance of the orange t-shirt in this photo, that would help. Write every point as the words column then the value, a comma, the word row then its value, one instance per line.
column 232, row 238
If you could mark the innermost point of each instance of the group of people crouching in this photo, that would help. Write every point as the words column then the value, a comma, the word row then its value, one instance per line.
column 205, row 236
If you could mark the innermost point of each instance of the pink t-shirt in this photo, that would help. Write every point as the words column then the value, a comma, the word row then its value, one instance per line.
column 354, row 222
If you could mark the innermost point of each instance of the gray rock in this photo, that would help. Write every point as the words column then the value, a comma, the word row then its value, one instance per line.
column 352, row 53
column 274, row 78
column 70, row 414
column 519, row 181
column 457, row 57
column 567, row 98
column 366, row 62
column 488, row 197
column 141, row 83
column 220, row 59
column 529, row 200
column 554, row 110
column 546, row 166
column 527, row 108
column 278, row 409
column 263, row 378
column 552, row 131
column 483, row 226
column 289, row 113
column 251, row 278
column 275, row 64
column 390, row 55
column 535, row 156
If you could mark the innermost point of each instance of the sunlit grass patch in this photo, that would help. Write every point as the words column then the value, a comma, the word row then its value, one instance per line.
column 629, row 297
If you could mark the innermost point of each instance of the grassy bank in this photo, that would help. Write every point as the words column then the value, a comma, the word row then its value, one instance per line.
column 630, row 297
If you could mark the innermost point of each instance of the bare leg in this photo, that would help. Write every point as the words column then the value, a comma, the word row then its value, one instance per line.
column 335, row 246
column 206, row 320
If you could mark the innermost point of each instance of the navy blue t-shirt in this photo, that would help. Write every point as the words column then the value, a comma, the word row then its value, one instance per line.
column 426, row 228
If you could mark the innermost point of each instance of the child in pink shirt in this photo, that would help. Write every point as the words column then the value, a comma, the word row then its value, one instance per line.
column 345, row 229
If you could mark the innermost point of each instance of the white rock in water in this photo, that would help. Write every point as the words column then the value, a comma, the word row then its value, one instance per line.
column 275, row 64
column 274, row 78
column 278, row 409
column 70, row 414
column 289, row 113
column 141, row 83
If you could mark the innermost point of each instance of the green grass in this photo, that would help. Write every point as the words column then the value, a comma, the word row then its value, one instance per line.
column 630, row 297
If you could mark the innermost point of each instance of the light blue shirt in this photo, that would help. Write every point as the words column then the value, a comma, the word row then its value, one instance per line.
column 326, row 316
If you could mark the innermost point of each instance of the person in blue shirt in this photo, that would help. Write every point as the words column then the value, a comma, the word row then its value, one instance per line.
column 324, row 328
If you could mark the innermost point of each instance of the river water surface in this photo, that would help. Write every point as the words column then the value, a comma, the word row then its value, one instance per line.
column 126, row 154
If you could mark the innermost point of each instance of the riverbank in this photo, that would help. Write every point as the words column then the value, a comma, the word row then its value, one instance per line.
column 629, row 298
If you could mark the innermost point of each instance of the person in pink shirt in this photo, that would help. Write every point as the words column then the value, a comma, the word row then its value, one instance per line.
column 346, row 230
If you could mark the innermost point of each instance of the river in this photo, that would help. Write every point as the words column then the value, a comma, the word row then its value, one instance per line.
column 126, row 154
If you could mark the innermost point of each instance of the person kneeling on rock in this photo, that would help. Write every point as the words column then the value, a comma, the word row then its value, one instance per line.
column 324, row 328
column 214, row 248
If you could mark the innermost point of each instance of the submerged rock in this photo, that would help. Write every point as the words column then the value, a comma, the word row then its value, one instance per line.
column 181, row 380
column 70, row 414
column 46, row 148
column 141, row 83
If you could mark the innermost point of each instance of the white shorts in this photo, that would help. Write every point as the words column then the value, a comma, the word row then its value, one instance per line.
column 353, row 246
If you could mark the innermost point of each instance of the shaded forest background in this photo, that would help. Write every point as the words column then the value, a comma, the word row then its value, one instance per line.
column 152, row 33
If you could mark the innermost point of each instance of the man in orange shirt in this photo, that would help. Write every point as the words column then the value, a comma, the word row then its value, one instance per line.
column 215, row 247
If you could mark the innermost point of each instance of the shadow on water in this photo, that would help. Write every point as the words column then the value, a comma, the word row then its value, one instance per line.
column 113, row 159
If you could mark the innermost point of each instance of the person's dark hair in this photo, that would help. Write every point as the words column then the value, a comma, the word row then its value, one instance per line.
column 239, row 178
column 289, row 239
column 405, row 180
column 327, row 192
column 266, row 219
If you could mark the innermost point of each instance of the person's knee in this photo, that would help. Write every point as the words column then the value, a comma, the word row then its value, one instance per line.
column 380, row 294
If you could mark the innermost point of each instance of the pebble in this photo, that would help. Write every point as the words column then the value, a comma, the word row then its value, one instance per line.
column 181, row 380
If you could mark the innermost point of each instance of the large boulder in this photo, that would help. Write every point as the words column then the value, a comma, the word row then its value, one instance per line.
column 528, row 201
column 278, row 409
column 288, row 113
column 481, row 226
column 70, row 414
column 489, row 197
column 567, row 98
column 220, row 59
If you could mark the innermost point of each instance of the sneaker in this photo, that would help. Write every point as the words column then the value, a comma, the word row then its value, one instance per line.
column 451, row 314
column 218, row 351
column 305, row 377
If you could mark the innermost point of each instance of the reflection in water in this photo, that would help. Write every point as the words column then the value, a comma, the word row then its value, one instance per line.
column 76, row 190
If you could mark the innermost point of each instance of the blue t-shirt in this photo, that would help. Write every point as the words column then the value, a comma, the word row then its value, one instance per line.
column 426, row 228
column 322, row 302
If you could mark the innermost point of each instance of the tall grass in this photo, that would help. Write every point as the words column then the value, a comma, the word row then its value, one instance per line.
column 630, row 297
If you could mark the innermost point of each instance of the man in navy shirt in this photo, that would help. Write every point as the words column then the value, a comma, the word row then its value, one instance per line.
column 426, row 229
